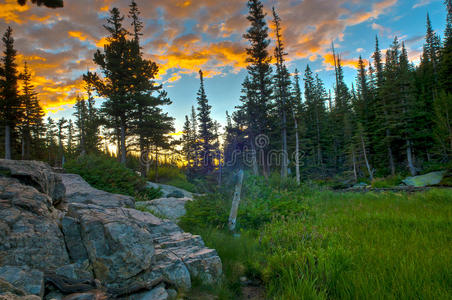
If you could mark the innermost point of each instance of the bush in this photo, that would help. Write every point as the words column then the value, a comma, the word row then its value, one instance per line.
column 107, row 174
column 387, row 182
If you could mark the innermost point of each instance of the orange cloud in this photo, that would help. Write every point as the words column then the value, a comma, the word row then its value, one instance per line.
column 10, row 10
column 328, row 59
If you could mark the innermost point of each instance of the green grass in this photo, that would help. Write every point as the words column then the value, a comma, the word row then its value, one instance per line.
column 373, row 246
column 339, row 246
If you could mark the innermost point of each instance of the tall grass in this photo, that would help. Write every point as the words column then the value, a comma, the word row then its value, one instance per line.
column 373, row 246
column 342, row 245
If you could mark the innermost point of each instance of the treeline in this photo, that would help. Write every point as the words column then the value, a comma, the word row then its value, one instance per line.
column 131, row 115
column 395, row 118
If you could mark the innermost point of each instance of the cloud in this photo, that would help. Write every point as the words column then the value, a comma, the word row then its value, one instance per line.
column 421, row 3
column 182, row 36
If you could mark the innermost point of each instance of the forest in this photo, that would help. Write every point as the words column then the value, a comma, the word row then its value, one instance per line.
column 301, row 234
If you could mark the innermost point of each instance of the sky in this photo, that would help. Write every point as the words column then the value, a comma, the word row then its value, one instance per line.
column 183, row 36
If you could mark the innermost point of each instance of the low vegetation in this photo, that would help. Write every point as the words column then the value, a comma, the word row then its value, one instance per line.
column 311, row 243
column 105, row 173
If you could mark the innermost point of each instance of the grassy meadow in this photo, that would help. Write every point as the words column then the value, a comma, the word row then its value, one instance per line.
column 311, row 243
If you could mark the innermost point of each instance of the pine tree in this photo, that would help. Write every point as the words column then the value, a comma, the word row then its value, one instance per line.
column 116, row 63
column 282, row 90
column 297, row 111
column 10, row 102
column 195, row 138
column 187, row 137
column 258, row 106
column 32, row 118
column 50, row 138
column 408, row 102
column 70, row 147
column 445, row 68
column 61, row 127
column 80, row 122
column 206, row 128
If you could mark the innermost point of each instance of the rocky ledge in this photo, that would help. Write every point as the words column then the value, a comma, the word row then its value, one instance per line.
column 62, row 239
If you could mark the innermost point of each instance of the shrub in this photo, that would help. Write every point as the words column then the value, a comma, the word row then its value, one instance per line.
column 106, row 173
column 387, row 182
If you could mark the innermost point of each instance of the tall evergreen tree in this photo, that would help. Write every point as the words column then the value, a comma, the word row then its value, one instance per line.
column 257, row 106
column 10, row 102
column 61, row 128
column 282, row 90
column 445, row 68
column 206, row 128
column 116, row 62
column 80, row 122
column 32, row 118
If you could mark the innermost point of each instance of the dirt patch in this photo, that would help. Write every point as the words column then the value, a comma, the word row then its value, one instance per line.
column 253, row 292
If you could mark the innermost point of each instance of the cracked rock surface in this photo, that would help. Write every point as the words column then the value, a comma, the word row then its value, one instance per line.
column 58, row 223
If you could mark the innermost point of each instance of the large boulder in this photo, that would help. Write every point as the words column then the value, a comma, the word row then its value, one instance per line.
column 36, row 174
column 428, row 179
column 79, row 191
column 126, row 245
column 29, row 231
column 171, row 208
column 92, row 236
column 169, row 190
column 118, row 247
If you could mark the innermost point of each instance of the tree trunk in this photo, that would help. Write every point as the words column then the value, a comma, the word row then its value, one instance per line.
column 156, row 166
column 23, row 148
column 220, row 168
column 284, row 146
column 391, row 160
column 355, row 173
column 409, row 155
column 142, row 160
column 7, row 142
column 235, row 202
column 369, row 169
column 297, row 149
column 28, row 146
column 254, row 157
column 147, row 161
column 123, row 143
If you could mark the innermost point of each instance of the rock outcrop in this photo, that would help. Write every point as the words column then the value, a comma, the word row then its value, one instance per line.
column 171, row 208
column 170, row 191
column 92, row 237
column 79, row 191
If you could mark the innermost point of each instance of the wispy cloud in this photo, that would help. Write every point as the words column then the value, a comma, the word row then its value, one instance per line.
column 421, row 3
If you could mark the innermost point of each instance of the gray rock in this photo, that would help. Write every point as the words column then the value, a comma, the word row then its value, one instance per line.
column 29, row 280
column 428, row 179
column 172, row 294
column 79, row 191
column 36, row 174
column 29, row 232
column 157, row 293
column 79, row 270
column 171, row 208
column 7, row 287
column 118, row 247
column 73, row 238
column 54, row 295
column 10, row 296
column 168, row 189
